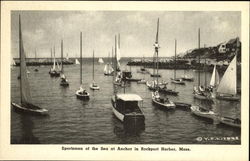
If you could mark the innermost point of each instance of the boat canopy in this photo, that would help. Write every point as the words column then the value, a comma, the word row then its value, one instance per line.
column 129, row 97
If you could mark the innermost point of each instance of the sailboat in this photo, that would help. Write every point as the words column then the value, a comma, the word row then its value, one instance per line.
column 202, row 112
column 126, row 107
column 36, row 70
column 26, row 104
column 53, row 72
column 156, row 99
column 100, row 60
column 77, row 62
column 227, row 88
column 199, row 91
column 108, row 70
column 81, row 93
column 215, row 80
column 176, row 80
column 94, row 85
column 64, row 82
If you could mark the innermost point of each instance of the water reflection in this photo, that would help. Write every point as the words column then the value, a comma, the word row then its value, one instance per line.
column 27, row 127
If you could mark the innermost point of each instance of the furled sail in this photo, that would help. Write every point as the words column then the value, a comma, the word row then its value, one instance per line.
column 24, row 83
column 215, row 80
column 118, row 56
column 228, row 84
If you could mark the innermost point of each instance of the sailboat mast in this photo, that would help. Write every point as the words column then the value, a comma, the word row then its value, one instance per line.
column 156, row 50
column 62, row 55
column 115, row 68
column 51, row 52
column 175, row 45
column 93, row 65
column 205, row 70
column 20, row 48
column 112, row 59
column 54, row 57
column 80, row 58
column 199, row 57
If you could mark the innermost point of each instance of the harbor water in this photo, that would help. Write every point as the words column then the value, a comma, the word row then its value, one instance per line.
column 73, row 121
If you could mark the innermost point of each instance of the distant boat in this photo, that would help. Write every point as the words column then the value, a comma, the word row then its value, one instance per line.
column 77, row 62
column 53, row 72
column 26, row 104
column 126, row 107
column 81, row 93
column 227, row 89
column 176, row 80
column 143, row 69
column 64, row 82
column 100, row 60
column 108, row 70
column 94, row 85
column 166, row 103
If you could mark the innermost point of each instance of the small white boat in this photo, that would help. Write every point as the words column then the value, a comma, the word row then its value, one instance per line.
column 94, row 86
column 202, row 112
column 77, row 62
column 164, row 103
column 187, row 78
column 82, row 94
column 234, row 122
column 177, row 81
column 100, row 60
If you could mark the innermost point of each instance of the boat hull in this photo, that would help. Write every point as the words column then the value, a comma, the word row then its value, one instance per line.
column 230, row 122
column 177, row 82
column 54, row 74
column 38, row 111
column 168, row 91
column 64, row 84
column 207, row 115
column 201, row 97
column 228, row 98
column 94, row 87
column 155, row 75
column 82, row 96
column 188, row 79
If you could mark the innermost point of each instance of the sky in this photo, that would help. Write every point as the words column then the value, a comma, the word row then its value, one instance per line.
column 44, row 29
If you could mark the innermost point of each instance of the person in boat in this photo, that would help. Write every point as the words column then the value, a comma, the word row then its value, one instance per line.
column 82, row 91
column 63, row 78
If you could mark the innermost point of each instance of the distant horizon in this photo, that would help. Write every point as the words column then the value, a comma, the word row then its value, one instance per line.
column 44, row 29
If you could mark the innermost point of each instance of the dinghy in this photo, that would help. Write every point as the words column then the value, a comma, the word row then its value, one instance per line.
column 164, row 103
column 94, row 85
column 176, row 80
column 81, row 93
column 26, row 104
column 202, row 112
column 64, row 82
column 233, row 122
column 227, row 89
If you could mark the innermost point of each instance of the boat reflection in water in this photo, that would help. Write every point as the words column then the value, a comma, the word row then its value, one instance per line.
column 27, row 127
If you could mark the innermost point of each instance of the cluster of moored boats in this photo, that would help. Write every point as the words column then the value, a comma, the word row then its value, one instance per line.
column 126, row 106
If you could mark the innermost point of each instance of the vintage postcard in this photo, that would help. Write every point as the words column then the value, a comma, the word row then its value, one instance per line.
column 124, row 80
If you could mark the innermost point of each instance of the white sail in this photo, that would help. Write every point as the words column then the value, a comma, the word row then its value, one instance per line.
column 228, row 82
column 100, row 60
column 215, row 80
column 54, row 64
column 67, row 57
column 118, row 56
column 58, row 66
column 24, row 83
column 77, row 62
column 108, row 69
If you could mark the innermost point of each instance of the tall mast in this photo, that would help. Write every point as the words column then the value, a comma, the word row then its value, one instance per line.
column 199, row 57
column 80, row 58
column 62, row 55
column 54, row 55
column 35, row 54
column 51, row 52
column 112, row 58
column 20, row 48
column 156, row 50
column 93, row 65
column 114, row 87
column 205, row 69
column 175, row 45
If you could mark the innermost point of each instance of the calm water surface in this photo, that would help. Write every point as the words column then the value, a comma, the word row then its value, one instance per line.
column 72, row 121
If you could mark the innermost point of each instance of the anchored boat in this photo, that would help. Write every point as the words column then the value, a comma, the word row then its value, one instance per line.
column 81, row 93
column 202, row 112
column 94, row 85
column 233, row 122
column 26, row 104
column 164, row 103
column 64, row 82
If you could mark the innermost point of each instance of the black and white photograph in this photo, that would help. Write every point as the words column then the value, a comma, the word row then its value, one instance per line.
column 126, row 77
